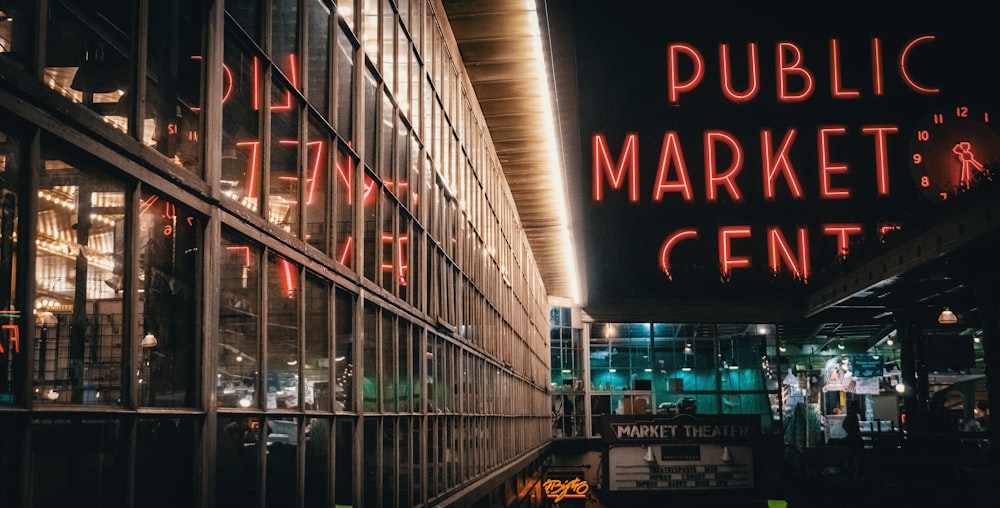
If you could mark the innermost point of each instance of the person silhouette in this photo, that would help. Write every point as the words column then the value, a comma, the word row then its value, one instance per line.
column 852, row 426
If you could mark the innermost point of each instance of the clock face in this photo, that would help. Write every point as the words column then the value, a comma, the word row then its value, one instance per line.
column 953, row 151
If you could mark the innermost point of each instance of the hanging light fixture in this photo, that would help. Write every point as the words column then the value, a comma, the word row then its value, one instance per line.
column 149, row 340
column 94, row 75
column 947, row 317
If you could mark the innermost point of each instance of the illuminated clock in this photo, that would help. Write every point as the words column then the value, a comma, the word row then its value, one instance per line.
column 953, row 151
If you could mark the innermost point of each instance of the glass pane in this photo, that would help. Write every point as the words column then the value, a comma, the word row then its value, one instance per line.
column 241, row 150
column 386, row 137
column 344, row 208
column 372, row 230
column 403, row 257
column 371, row 118
column 389, row 437
column 387, row 373
column 247, row 14
column 78, row 276
column 282, row 461
column 318, row 91
column 237, row 462
column 317, row 190
column 87, row 55
column 171, row 123
column 282, row 333
column 387, row 241
column 345, row 86
column 316, row 371
column 239, row 323
column 317, row 471
column 404, row 390
column 166, row 462
column 283, row 177
column 17, row 33
column 370, row 369
column 13, row 349
column 284, row 33
column 168, row 301
column 344, row 360
column 344, row 465
column 76, row 462
column 370, row 460
column 388, row 51
column 11, row 450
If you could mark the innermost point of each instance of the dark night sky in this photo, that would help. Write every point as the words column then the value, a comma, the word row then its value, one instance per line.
column 621, row 69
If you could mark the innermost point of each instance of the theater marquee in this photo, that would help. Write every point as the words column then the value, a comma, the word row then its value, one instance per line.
column 682, row 452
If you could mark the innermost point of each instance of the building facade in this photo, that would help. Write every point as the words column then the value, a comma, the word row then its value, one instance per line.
column 258, row 253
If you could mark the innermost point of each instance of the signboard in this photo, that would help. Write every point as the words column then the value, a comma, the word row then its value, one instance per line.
column 714, row 467
column 867, row 365
column 681, row 452
column 733, row 156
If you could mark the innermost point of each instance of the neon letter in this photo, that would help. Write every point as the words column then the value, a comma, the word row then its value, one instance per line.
column 877, row 81
column 777, row 245
column 904, row 55
column 881, row 155
column 674, row 86
column 668, row 245
column 629, row 160
column 753, row 74
column 843, row 233
column 794, row 66
column 726, row 259
column 252, row 170
column 778, row 163
column 714, row 179
column 671, row 151
column 826, row 168
column 835, row 84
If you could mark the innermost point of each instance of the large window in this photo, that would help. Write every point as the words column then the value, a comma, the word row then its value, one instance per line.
column 646, row 368
column 241, row 142
column 88, row 53
column 168, row 293
column 12, row 347
column 171, row 122
column 79, row 259
column 239, row 324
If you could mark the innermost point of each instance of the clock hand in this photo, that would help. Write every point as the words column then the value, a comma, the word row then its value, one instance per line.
column 963, row 149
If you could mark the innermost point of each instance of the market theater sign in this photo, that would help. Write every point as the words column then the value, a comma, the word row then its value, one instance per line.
column 725, row 155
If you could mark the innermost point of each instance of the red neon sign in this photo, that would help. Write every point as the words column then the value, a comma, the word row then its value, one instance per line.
column 251, row 189
column 401, row 253
column 289, row 271
column 13, row 334
column 227, row 83
column 794, row 81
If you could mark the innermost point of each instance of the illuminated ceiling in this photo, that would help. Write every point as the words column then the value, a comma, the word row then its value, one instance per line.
column 506, row 60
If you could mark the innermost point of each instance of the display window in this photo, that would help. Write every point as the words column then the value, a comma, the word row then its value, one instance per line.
column 79, row 281
column 239, row 337
column 12, row 347
column 343, row 390
column 241, row 116
column 169, row 261
column 284, row 299
column 88, row 53
column 171, row 121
